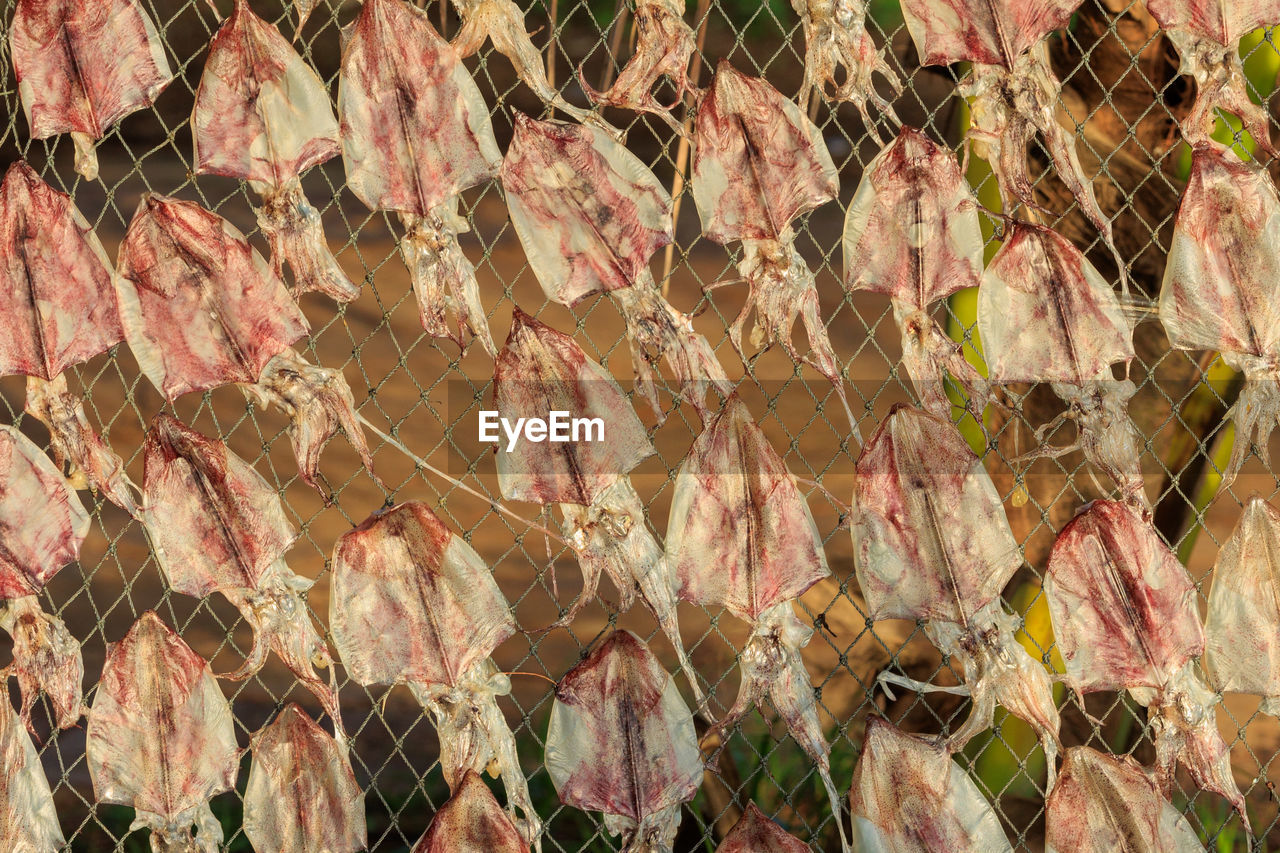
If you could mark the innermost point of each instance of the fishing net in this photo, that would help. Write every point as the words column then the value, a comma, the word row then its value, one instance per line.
column 1125, row 99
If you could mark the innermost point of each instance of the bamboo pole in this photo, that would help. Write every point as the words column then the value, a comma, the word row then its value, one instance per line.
column 620, row 14
column 682, row 152
column 551, row 44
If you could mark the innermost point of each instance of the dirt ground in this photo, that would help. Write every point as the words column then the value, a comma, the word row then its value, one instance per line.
column 429, row 394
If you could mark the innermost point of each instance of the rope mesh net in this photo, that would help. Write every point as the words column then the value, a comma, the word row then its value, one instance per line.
column 1122, row 92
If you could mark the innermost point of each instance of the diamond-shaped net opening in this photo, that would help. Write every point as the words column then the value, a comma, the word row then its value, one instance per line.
column 1122, row 92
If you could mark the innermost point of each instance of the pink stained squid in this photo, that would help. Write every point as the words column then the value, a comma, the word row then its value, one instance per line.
column 263, row 115
column 541, row 370
column 44, row 527
column 664, row 45
column 502, row 22
column 758, row 164
column 1046, row 315
column 82, row 66
column 1221, row 286
column 301, row 794
column 1013, row 92
column 471, row 822
column 1207, row 36
column 1242, row 627
column 1105, row 803
column 1125, row 618
column 28, row 817
column 741, row 537
column 402, row 566
column 932, row 543
column 161, row 738
column 621, row 741
column 911, row 233
column 590, row 215
column 201, row 309
column 217, row 526
column 755, row 833
column 415, row 134
column 56, row 291
column 318, row 402
column 836, row 38
column 916, row 799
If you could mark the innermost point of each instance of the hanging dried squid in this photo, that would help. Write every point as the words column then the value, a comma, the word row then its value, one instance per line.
column 590, row 215
column 403, row 567
column 1242, row 627
column 201, row 309
column 932, row 543
column 161, row 738
column 911, row 233
column 1207, row 36
column 835, row 39
column 217, row 526
column 1221, row 286
column 758, row 164
column 741, row 537
column 1046, row 315
column 82, row 66
column 541, row 370
column 415, row 134
column 1125, row 618
column 262, row 115
column 621, row 741
column 1012, row 90
column 61, row 307
column 44, row 526
column 917, row 799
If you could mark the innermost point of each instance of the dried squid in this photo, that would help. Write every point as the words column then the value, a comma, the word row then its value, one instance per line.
column 918, row 798
column 61, row 310
column 836, row 37
column 262, row 115
column 28, row 819
column 82, row 66
column 1046, row 315
column 741, row 537
column 911, row 233
column 1110, row 804
column 502, row 22
column 1207, row 35
column 217, row 526
column 1221, row 287
column 758, row 164
column 932, row 542
column 161, row 738
column 403, row 567
column 302, row 795
column 755, row 833
column 541, row 370
column 471, row 822
column 318, row 403
column 1125, row 618
column 201, row 309
column 590, row 215
column 1012, row 91
column 44, row 526
column 415, row 134
column 303, row 9
column 664, row 44
column 621, row 741
column 1242, row 628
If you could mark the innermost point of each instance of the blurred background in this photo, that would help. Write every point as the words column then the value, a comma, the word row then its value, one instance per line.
column 1122, row 91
